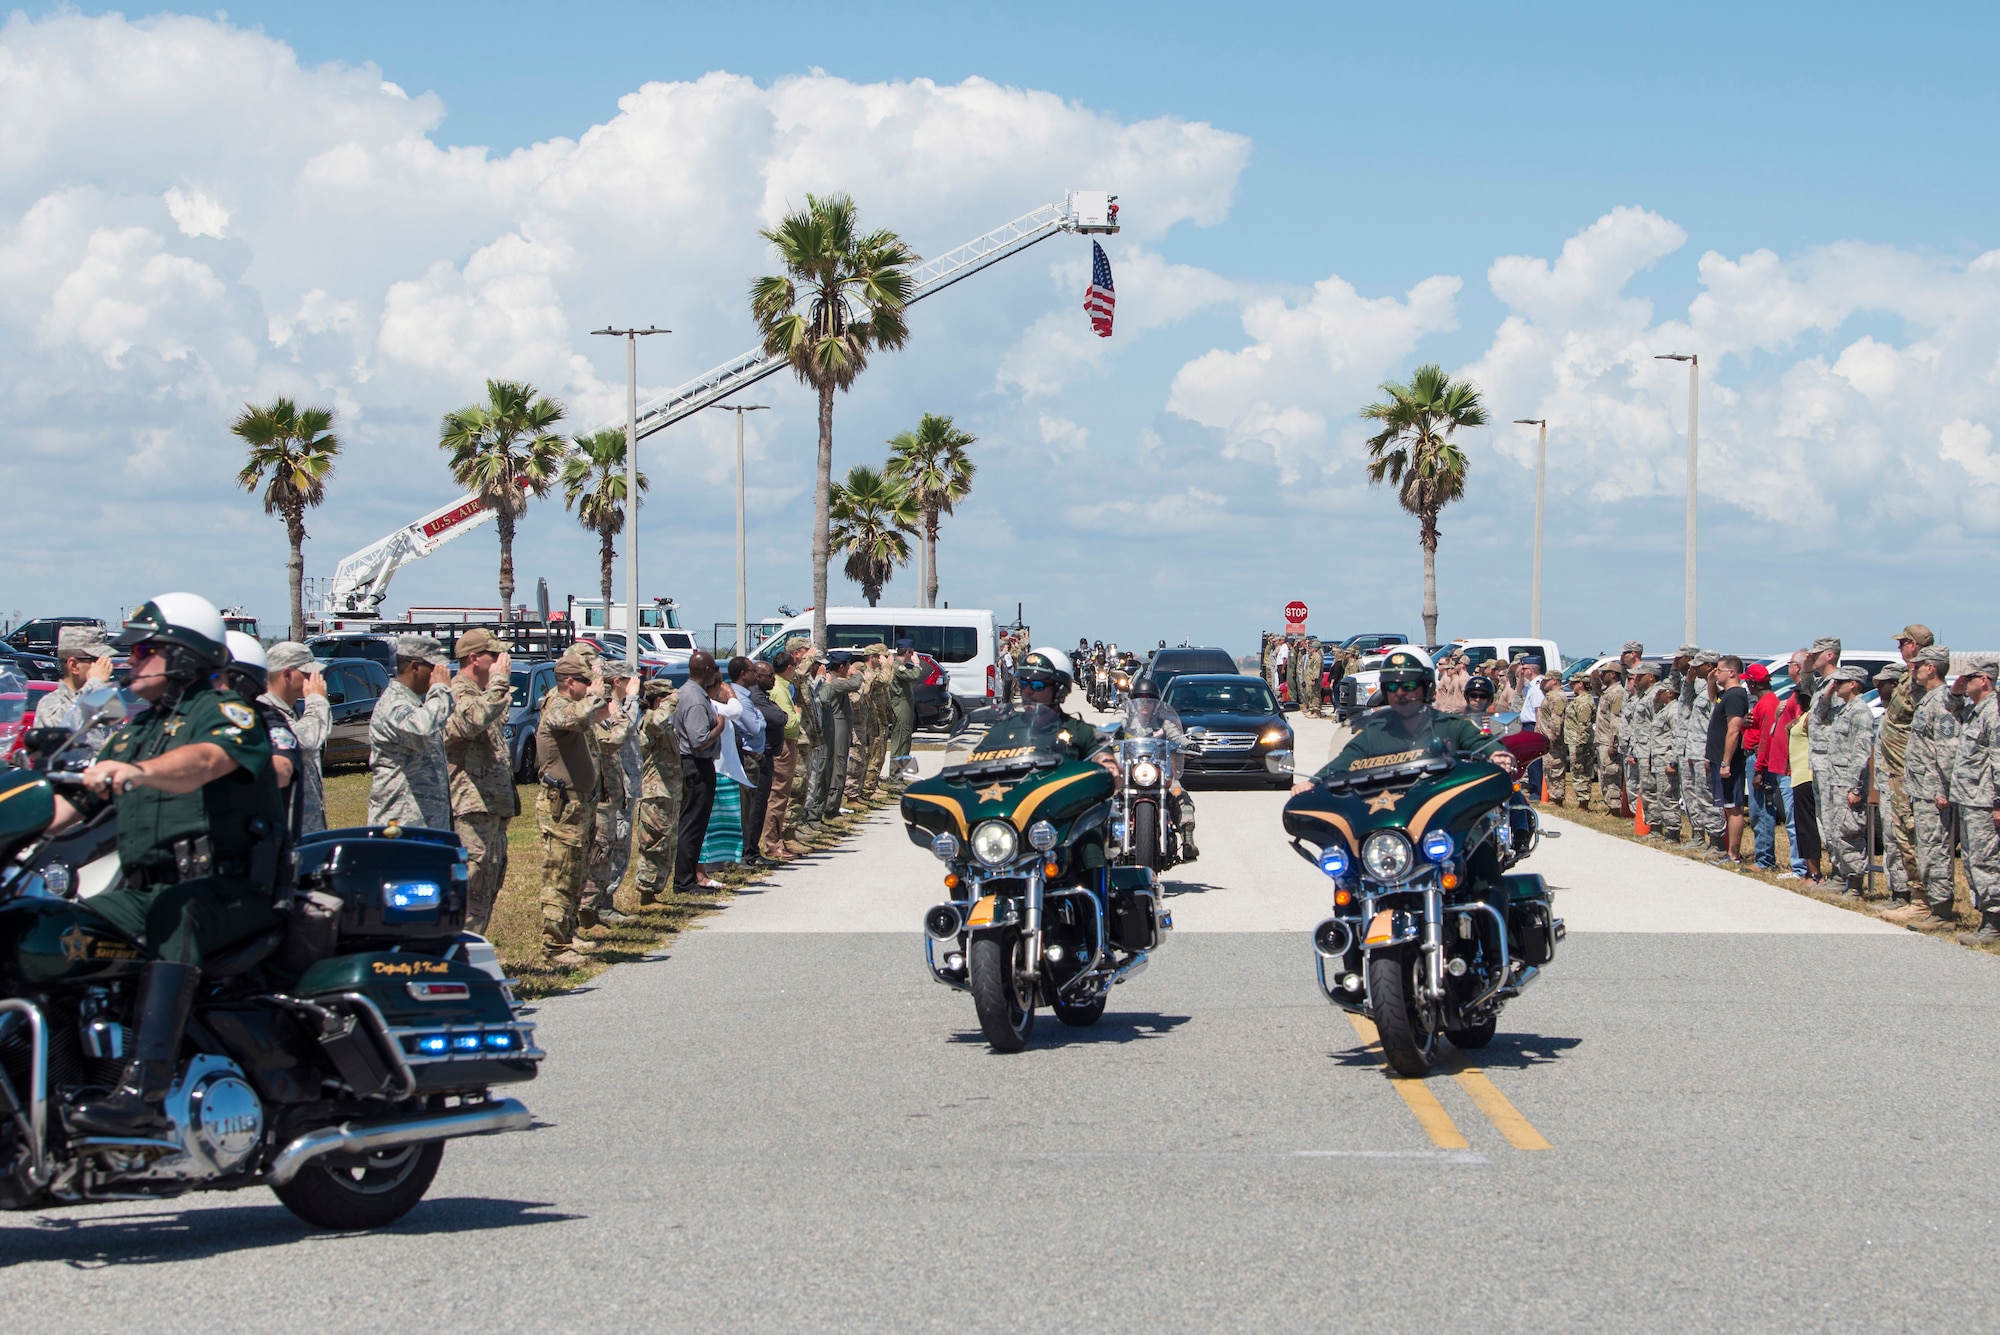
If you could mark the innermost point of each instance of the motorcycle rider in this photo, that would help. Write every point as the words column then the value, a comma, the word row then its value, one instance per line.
column 1146, row 715
column 200, row 821
column 1045, row 677
column 1410, row 723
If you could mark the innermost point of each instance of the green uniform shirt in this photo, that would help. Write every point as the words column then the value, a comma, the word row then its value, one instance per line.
column 1385, row 734
column 151, row 822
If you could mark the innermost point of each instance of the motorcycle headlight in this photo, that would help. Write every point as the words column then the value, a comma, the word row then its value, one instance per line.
column 1145, row 774
column 1042, row 835
column 945, row 847
column 1387, row 856
column 995, row 843
column 1438, row 846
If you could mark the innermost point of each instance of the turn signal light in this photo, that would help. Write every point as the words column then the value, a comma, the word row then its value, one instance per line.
column 951, row 880
column 1342, row 898
column 1450, row 880
column 1050, row 869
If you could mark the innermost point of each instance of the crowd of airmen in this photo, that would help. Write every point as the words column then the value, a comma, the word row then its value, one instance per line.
column 610, row 766
column 1299, row 667
column 1638, row 729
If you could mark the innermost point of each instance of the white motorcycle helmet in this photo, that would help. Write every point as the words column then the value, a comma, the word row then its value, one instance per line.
column 1044, row 662
column 247, row 663
column 186, row 629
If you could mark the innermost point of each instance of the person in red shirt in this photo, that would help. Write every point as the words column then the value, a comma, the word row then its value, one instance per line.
column 1763, row 738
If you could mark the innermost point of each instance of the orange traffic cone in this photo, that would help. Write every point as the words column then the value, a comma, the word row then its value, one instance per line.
column 1639, row 826
column 1545, row 784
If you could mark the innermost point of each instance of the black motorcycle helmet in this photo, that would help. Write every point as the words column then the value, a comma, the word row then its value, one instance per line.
column 1479, row 687
column 1144, row 689
column 1405, row 666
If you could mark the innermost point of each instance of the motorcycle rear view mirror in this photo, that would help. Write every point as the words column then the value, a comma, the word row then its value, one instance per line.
column 1279, row 762
column 104, row 703
column 906, row 768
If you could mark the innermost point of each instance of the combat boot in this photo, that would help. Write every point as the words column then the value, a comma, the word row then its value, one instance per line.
column 166, row 995
column 610, row 917
column 1851, row 891
column 1988, row 933
column 1908, row 911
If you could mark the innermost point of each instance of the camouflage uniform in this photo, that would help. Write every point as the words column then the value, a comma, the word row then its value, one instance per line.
column 1850, row 748
column 1663, row 805
column 1975, row 790
column 563, row 810
column 1927, row 764
column 1636, row 743
column 1310, row 670
column 811, row 744
column 834, row 697
column 1549, row 723
column 483, row 799
column 409, row 781
column 611, row 822
column 1892, row 745
column 1697, row 799
column 1610, row 712
column 1579, row 726
column 659, row 792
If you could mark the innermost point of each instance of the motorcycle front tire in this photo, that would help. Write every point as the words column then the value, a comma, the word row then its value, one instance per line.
column 1409, row 1031
column 990, row 963
column 1146, row 835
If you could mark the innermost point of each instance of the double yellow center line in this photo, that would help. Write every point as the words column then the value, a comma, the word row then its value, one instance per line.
column 1431, row 1115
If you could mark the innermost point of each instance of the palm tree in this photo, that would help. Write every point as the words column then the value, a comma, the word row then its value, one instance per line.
column 931, row 464
column 841, row 296
column 296, row 449
column 1415, row 452
column 870, row 514
column 506, row 450
column 593, row 477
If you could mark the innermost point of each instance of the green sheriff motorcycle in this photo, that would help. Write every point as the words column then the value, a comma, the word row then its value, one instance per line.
column 1432, row 930
column 1036, row 916
column 329, row 1059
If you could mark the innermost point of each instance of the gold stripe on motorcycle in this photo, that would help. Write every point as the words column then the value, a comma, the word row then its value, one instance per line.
column 1430, row 808
column 1339, row 822
column 24, row 788
column 1040, row 795
column 949, row 804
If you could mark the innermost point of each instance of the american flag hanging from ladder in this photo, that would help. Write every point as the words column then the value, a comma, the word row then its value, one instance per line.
column 1100, row 300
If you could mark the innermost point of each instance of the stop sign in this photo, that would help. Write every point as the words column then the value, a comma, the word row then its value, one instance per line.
column 1295, row 614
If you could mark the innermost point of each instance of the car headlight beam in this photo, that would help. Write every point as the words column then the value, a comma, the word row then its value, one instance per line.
column 1386, row 856
column 995, row 843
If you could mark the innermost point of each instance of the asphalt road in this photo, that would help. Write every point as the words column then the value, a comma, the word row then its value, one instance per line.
column 1722, row 1106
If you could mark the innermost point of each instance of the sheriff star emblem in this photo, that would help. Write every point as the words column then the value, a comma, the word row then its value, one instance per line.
column 75, row 945
column 1384, row 801
column 993, row 794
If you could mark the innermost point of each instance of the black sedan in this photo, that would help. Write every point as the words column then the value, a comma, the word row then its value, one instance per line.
column 1233, row 722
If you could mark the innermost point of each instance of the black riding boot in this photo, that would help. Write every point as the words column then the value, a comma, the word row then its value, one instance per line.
column 133, row 1108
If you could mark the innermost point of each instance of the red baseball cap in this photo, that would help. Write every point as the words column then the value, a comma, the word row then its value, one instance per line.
column 1756, row 672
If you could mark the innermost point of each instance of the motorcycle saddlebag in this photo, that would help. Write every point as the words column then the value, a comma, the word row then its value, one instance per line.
column 1131, row 924
column 401, row 886
column 451, row 1022
column 1530, row 918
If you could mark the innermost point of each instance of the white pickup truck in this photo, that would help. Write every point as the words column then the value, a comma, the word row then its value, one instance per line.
column 1357, row 689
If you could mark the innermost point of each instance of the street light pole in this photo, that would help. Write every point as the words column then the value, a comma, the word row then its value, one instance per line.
column 631, row 337
column 1541, row 476
column 1694, row 436
column 742, row 549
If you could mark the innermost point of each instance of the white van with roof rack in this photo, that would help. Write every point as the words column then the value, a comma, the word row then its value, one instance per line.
column 964, row 641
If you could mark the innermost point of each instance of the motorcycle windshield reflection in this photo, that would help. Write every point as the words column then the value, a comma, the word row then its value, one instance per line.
column 1150, row 718
column 1006, row 737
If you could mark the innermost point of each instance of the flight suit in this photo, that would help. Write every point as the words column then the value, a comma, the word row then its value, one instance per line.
column 903, row 708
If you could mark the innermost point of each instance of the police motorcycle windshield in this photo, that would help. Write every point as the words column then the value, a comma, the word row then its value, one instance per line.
column 1006, row 738
column 1145, row 717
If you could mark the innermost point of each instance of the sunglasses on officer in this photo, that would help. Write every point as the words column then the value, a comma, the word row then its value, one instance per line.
column 1037, row 684
column 141, row 651
column 1402, row 687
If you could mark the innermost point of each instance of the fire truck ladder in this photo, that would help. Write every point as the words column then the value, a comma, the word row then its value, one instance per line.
column 1083, row 212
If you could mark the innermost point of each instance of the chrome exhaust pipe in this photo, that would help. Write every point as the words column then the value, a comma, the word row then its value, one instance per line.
column 361, row 1137
column 943, row 922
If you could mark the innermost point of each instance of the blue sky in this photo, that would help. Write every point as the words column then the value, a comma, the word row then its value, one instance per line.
column 1381, row 147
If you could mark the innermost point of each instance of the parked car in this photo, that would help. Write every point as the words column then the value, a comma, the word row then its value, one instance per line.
column 1233, row 721
column 935, row 706
column 379, row 649
column 1373, row 642
column 31, row 666
column 1166, row 664
column 611, row 645
column 532, row 682
column 353, row 685
column 39, row 635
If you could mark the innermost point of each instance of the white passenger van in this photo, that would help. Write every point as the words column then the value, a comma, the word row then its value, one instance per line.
column 962, row 639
